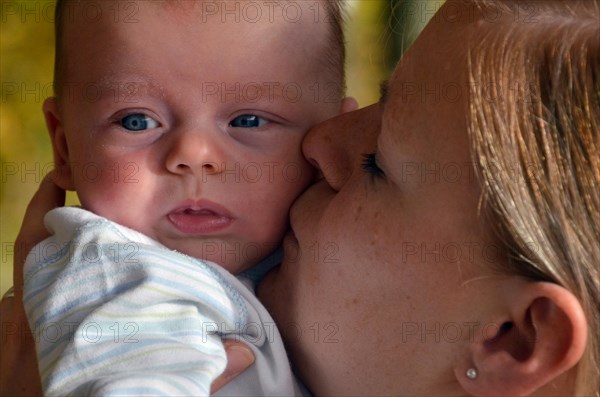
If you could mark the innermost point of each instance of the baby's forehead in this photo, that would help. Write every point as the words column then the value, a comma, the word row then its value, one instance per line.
column 288, row 42
column 249, row 11
column 280, row 18
column 278, row 29
column 282, row 23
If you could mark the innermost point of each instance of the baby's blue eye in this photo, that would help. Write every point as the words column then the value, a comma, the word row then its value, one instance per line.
column 138, row 122
column 248, row 121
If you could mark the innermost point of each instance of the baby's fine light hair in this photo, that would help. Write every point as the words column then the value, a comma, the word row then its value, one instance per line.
column 536, row 141
column 334, row 54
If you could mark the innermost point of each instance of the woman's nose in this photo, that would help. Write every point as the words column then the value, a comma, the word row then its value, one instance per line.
column 336, row 147
column 195, row 152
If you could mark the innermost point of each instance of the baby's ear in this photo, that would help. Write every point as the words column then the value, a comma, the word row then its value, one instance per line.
column 349, row 104
column 540, row 336
column 63, row 175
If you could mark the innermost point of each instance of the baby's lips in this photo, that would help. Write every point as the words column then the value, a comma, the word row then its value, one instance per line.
column 202, row 206
column 200, row 217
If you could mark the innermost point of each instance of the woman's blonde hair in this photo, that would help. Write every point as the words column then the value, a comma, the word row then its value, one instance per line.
column 535, row 128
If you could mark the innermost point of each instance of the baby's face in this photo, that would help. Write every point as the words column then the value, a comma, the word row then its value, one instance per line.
column 188, row 128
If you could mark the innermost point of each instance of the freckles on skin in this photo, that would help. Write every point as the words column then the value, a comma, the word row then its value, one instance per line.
column 376, row 287
column 375, row 238
column 357, row 213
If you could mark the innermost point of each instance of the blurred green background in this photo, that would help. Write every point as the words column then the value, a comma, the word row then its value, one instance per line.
column 377, row 32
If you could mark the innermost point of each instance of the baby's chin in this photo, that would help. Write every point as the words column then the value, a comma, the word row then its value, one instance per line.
column 225, row 254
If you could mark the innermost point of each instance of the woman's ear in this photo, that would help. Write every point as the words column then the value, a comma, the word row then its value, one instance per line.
column 541, row 335
column 63, row 175
column 349, row 104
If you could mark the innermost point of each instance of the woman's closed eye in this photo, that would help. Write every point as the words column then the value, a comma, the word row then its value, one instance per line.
column 369, row 165
column 248, row 121
column 138, row 122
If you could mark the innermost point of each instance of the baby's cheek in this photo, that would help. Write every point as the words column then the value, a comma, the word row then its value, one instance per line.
column 299, row 177
column 106, row 194
column 264, row 228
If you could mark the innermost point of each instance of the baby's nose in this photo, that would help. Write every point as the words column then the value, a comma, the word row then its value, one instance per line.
column 195, row 152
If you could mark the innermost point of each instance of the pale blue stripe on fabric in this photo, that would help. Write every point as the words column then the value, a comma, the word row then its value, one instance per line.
column 47, row 317
column 43, row 264
column 192, row 290
column 121, row 356
column 138, row 391
column 50, row 316
column 168, row 264
column 47, row 354
column 135, row 391
column 184, row 365
column 148, row 327
column 168, row 260
column 153, row 324
column 49, row 277
column 192, row 387
column 80, row 268
column 67, row 247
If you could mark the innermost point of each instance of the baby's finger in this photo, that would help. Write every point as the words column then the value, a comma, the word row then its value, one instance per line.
column 239, row 358
column 48, row 196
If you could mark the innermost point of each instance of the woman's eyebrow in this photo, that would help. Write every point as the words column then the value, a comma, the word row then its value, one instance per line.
column 383, row 92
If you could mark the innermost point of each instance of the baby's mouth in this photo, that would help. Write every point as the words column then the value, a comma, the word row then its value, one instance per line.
column 198, row 219
column 191, row 211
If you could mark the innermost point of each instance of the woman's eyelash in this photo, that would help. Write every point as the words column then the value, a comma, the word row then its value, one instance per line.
column 369, row 165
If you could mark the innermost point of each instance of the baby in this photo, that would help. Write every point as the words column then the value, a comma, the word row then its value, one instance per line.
column 178, row 124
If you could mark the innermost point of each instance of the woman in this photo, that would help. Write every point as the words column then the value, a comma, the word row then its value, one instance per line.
column 443, row 281
column 452, row 245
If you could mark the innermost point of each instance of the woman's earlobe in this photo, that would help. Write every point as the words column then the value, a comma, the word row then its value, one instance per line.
column 63, row 175
column 542, row 338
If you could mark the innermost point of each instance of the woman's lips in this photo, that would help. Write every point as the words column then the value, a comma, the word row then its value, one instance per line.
column 200, row 217
column 291, row 247
column 290, row 234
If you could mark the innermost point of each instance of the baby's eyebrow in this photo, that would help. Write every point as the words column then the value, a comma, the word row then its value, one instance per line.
column 128, row 86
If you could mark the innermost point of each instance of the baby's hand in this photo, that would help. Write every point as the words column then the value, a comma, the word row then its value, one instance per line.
column 239, row 358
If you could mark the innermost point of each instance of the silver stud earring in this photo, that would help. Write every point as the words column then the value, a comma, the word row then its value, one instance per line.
column 471, row 373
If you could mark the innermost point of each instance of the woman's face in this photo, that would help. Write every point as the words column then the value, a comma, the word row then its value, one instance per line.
column 377, row 292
